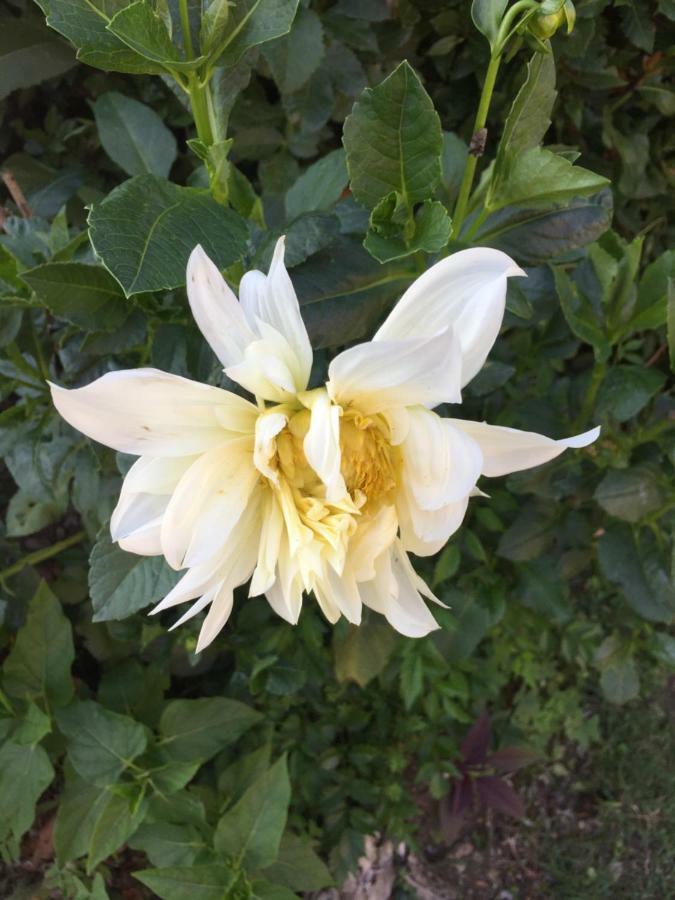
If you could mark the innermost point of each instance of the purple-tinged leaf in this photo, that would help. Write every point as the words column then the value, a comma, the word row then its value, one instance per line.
column 461, row 797
column 511, row 759
column 500, row 796
column 477, row 741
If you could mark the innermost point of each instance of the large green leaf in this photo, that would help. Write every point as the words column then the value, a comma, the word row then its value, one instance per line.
column 80, row 805
column 87, row 296
column 122, row 583
column 101, row 744
column 298, row 866
column 626, row 390
column 25, row 772
column 363, row 652
column 29, row 54
column 118, row 819
column 639, row 571
column 253, row 22
column 251, row 830
column 214, row 882
column 529, row 118
column 166, row 844
column 630, row 494
column 538, row 176
column 487, row 16
column 198, row 729
column 144, row 31
column 84, row 22
column 393, row 141
column 38, row 666
column 294, row 57
column 133, row 135
column 145, row 230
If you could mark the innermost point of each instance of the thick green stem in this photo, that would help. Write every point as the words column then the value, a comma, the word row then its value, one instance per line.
column 472, row 160
column 199, row 101
column 38, row 556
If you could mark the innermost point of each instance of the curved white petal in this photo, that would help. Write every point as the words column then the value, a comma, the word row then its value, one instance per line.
column 267, row 428
column 384, row 375
column 269, row 367
column 394, row 594
column 373, row 537
column 465, row 291
column 441, row 463
column 273, row 301
column 510, row 450
column 148, row 412
column 208, row 502
column 156, row 475
column 424, row 532
column 217, row 616
column 285, row 594
column 340, row 592
column 137, row 512
column 322, row 443
column 216, row 310
column 269, row 546
column 145, row 542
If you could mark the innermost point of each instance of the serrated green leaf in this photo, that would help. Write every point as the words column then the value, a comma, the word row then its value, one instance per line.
column 168, row 845
column 101, row 744
column 387, row 241
column 80, row 804
column 121, row 583
column 144, row 31
column 393, row 141
column 133, row 135
column 38, row 666
column 298, row 866
column 250, row 832
column 145, row 230
column 25, row 772
column 118, row 819
column 319, row 187
column 254, row 22
column 295, row 57
column 190, row 882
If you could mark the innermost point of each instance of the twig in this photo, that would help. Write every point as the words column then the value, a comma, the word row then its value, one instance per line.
column 16, row 193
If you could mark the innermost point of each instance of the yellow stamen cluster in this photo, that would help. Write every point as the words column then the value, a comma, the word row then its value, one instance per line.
column 369, row 462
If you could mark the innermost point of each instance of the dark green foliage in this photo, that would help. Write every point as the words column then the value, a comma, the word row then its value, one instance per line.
column 255, row 769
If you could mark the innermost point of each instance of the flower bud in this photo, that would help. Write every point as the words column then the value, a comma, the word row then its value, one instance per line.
column 552, row 14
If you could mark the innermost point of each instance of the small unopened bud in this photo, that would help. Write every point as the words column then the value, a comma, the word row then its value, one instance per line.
column 551, row 16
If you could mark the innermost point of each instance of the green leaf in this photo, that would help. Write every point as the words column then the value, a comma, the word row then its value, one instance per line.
column 84, row 23
column 240, row 775
column 133, row 135
column 295, row 57
column 670, row 323
column 630, row 494
column 38, row 666
column 144, row 31
column 198, row 729
column 471, row 622
column 27, row 514
column 653, row 292
column 536, row 236
column 529, row 533
column 581, row 315
column 101, row 744
column 538, row 176
column 319, row 187
column 87, row 296
column 32, row 726
column 487, row 16
column 453, row 160
column 168, row 845
column 191, row 882
column 626, row 390
column 121, row 583
column 145, row 230
column 363, row 652
column 393, row 141
column 298, row 867
column 118, row 819
column 530, row 115
column 261, row 889
column 639, row 571
column 80, row 805
column 25, row 772
column 251, row 830
column 254, row 22
column 213, row 25
column 29, row 54
column 620, row 682
column 387, row 240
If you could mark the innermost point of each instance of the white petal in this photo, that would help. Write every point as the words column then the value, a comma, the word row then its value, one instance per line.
column 137, row 512
column 340, row 591
column 208, row 502
column 285, row 595
column 322, row 443
column 267, row 428
column 148, row 412
column 145, row 542
column 424, row 532
column 383, row 375
column 217, row 616
column 394, row 594
column 270, row 543
column 466, row 291
column 373, row 537
column 269, row 368
column 441, row 463
column 274, row 301
column 510, row 450
column 156, row 475
column 216, row 310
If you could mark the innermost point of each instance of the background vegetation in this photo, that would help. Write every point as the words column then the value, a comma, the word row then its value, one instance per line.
column 122, row 752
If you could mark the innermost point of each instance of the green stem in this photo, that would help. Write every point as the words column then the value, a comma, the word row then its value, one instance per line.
column 472, row 161
column 588, row 405
column 199, row 101
column 185, row 25
column 38, row 556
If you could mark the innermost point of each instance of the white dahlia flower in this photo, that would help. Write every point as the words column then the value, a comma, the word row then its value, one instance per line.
column 321, row 491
